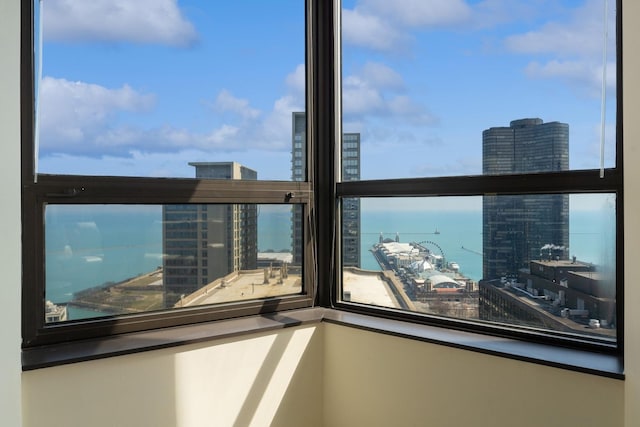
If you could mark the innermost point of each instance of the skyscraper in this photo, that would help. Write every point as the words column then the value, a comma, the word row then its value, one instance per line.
column 516, row 228
column 205, row 242
column 350, row 207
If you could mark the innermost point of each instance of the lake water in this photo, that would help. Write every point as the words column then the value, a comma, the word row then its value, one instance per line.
column 87, row 246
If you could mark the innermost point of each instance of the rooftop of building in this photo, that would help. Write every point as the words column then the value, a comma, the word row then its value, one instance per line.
column 548, row 310
column 368, row 287
column 394, row 247
column 243, row 285
column 213, row 163
column 594, row 275
column 566, row 263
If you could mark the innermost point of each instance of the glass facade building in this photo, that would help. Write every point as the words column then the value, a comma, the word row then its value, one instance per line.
column 519, row 228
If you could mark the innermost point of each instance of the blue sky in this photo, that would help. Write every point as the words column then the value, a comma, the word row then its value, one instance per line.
column 142, row 88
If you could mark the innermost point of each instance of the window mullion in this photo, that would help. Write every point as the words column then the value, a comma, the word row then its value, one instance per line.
column 556, row 182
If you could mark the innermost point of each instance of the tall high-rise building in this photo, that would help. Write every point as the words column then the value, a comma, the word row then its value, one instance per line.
column 205, row 242
column 350, row 207
column 519, row 228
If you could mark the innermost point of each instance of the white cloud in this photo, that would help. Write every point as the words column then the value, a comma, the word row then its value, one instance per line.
column 489, row 13
column 370, row 31
column 271, row 130
column 415, row 113
column 296, row 80
column 359, row 97
column 556, row 38
column 141, row 21
column 575, row 47
column 79, row 118
column 376, row 89
column 384, row 25
column 225, row 101
column 382, row 76
column 557, row 68
column 584, row 74
column 419, row 13
column 71, row 111
column 221, row 135
column 580, row 35
column 274, row 132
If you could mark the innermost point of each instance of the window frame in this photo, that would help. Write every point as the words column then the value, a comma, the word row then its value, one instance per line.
column 321, row 195
column 42, row 189
column 565, row 182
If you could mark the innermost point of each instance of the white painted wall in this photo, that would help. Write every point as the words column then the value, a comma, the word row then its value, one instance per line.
column 378, row 380
column 259, row 380
column 631, row 99
column 10, row 213
column 364, row 378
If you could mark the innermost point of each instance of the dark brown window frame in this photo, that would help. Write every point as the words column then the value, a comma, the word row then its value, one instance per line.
column 565, row 182
column 38, row 192
column 321, row 196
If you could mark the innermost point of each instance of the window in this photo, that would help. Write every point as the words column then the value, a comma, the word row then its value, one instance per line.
column 224, row 173
column 157, row 172
column 488, row 169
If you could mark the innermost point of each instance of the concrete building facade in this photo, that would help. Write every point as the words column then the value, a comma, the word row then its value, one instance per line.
column 202, row 243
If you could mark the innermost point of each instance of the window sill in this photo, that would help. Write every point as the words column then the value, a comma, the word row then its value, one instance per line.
column 605, row 365
column 81, row 351
column 587, row 362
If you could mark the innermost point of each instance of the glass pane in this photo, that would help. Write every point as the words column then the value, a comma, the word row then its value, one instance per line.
column 117, row 259
column 541, row 261
column 134, row 88
column 433, row 87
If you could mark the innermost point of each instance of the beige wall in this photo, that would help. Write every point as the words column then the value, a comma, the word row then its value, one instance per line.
column 380, row 380
column 260, row 380
column 10, row 213
column 631, row 99
column 369, row 379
